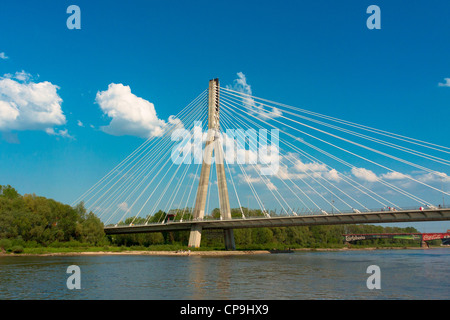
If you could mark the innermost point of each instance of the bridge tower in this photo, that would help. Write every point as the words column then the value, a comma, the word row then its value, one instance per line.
column 212, row 145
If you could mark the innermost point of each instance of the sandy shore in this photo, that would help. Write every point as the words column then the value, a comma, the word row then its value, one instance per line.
column 142, row 253
column 205, row 253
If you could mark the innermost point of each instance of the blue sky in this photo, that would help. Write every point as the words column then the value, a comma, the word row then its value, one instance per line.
column 317, row 55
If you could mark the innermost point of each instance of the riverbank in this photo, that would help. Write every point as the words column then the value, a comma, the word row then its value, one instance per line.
column 141, row 253
column 207, row 252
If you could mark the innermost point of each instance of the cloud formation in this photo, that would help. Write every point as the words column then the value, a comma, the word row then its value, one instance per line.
column 240, row 85
column 27, row 105
column 364, row 174
column 3, row 56
column 130, row 114
column 394, row 175
column 445, row 84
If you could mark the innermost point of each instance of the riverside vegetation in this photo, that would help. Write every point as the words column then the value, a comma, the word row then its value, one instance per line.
column 34, row 224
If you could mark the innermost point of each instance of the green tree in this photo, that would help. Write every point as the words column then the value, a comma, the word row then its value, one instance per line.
column 8, row 192
column 92, row 229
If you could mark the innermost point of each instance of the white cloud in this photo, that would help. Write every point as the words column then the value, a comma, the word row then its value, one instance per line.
column 308, row 171
column 19, row 75
column 284, row 174
column 394, row 175
column 3, row 56
column 275, row 113
column 240, row 84
column 23, row 76
column 130, row 115
column 445, row 84
column 80, row 124
column 62, row 133
column 364, row 174
column 434, row 177
column 332, row 175
column 246, row 179
column 123, row 206
column 271, row 186
column 304, row 170
column 310, row 166
column 26, row 105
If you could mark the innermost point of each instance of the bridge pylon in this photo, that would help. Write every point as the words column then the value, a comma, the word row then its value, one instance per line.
column 212, row 145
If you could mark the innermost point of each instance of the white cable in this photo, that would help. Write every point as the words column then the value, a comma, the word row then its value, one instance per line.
column 312, row 146
column 232, row 182
column 129, row 156
column 268, row 187
column 145, row 163
column 307, row 184
column 259, row 126
column 154, row 207
column 128, row 210
column 359, row 126
column 352, row 153
column 297, row 186
column 166, row 130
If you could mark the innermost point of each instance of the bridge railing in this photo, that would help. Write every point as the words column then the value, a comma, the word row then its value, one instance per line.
column 299, row 214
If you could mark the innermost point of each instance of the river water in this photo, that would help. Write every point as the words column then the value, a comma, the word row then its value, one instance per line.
column 405, row 274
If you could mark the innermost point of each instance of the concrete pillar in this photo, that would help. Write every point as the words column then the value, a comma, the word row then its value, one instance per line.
column 225, row 210
column 195, row 236
column 228, row 236
column 212, row 144
column 424, row 244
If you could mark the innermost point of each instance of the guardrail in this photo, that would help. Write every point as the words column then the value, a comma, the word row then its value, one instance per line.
column 415, row 215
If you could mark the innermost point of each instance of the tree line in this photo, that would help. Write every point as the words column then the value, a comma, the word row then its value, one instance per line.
column 31, row 221
column 320, row 236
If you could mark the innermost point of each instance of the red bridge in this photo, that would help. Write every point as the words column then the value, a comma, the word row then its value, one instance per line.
column 422, row 237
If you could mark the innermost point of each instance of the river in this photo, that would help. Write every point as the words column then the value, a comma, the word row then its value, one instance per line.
column 404, row 274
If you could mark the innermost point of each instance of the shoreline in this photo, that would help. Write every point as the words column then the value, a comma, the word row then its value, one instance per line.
column 206, row 253
column 139, row 253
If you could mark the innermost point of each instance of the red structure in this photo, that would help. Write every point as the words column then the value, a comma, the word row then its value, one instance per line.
column 435, row 236
column 422, row 237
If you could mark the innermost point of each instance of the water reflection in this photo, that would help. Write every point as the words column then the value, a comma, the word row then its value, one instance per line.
column 209, row 275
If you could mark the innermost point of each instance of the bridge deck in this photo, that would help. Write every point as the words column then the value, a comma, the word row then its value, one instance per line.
column 303, row 220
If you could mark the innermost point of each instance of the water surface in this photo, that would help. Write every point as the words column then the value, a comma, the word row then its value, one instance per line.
column 405, row 274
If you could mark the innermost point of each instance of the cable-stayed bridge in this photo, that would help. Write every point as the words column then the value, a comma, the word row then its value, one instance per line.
column 228, row 151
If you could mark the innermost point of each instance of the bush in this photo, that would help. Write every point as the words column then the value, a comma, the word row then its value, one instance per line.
column 31, row 244
column 5, row 244
column 18, row 242
column 17, row 249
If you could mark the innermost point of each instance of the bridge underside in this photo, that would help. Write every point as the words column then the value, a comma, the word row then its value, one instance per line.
column 306, row 220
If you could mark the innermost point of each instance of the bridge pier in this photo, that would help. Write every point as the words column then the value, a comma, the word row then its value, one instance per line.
column 424, row 244
column 195, row 237
column 228, row 236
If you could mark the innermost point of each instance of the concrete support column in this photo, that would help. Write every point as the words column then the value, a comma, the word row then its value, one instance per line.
column 195, row 237
column 212, row 144
column 228, row 236
column 225, row 210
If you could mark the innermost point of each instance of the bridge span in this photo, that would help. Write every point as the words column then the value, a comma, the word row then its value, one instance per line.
column 441, row 214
